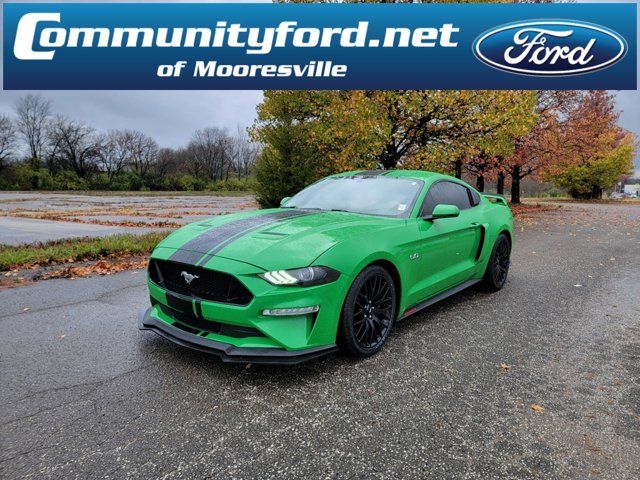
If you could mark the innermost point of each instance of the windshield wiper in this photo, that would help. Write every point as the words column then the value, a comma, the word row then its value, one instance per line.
column 316, row 209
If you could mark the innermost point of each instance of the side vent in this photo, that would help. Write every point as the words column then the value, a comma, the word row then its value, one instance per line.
column 481, row 242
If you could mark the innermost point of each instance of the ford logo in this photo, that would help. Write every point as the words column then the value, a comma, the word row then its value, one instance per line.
column 550, row 47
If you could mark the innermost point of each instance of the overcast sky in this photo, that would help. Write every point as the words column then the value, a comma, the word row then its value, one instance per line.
column 172, row 116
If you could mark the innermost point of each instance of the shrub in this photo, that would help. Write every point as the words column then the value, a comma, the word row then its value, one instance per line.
column 69, row 180
column 20, row 176
column 232, row 185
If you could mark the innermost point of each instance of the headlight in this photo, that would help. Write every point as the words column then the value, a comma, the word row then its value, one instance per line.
column 304, row 277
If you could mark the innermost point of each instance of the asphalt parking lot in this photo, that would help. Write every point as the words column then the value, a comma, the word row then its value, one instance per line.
column 540, row 380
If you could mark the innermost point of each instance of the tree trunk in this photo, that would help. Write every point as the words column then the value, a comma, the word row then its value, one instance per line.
column 458, row 168
column 596, row 192
column 480, row 183
column 500, row 184
column 515, row 184
column 389, row 158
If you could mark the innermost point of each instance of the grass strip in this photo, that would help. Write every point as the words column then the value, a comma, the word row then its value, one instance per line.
column 148, row 193
column 77, row 250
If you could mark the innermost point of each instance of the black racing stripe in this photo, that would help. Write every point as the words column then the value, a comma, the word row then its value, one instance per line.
column 187, row 257
column 275, row 217
column 207, row 240
column 179, row 304
column 371, row 173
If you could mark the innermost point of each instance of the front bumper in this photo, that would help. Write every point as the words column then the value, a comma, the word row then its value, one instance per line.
column 229, row 353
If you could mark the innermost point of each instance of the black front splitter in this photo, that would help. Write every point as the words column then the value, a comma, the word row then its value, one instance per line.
column 229, row 353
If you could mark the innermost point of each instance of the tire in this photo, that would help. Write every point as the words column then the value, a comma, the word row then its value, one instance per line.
column 368, row 313
column 498, row 267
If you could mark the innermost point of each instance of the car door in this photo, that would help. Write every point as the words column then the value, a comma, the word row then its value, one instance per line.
column 448, row 245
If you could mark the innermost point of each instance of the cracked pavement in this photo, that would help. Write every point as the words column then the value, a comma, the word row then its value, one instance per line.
column 84, row 394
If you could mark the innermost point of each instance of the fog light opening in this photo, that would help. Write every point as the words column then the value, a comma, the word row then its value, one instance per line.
column 283, row 312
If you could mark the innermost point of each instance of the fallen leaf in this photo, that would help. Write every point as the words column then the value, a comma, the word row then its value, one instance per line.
column 504, row 366
column 589, row 443
column 537, row 408
column 101, row 267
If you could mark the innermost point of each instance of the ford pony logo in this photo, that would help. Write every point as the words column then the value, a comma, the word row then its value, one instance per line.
column 551, row 47
column 188, row 277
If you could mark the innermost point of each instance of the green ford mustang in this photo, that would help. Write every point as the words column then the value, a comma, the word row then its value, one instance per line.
column 334, row 267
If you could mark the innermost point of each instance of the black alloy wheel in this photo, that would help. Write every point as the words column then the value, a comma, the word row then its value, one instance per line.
column 498, row 267
column 368, row 313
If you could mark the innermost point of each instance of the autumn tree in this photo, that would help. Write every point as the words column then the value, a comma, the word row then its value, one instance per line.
column 596, row 152
column 511, row 115
column 539, row 147
column 347, row 130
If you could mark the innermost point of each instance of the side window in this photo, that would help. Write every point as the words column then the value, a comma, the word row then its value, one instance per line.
column 448, row 193
column 475, row 198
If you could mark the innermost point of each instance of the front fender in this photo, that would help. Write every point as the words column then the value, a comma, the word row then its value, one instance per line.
column 344, row 259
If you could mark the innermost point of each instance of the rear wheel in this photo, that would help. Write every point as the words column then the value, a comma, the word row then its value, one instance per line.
column 368, row 312
column 498, row 267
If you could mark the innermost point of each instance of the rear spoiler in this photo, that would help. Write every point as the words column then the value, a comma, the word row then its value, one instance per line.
column 495, row 198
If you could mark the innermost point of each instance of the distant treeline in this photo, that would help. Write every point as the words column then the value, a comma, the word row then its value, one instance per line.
column 44, row 151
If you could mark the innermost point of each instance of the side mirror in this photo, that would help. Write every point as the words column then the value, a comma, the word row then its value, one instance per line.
column 445, row 211
column 284, row 200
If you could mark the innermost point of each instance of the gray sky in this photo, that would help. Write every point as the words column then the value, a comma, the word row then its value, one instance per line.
column 172, row 116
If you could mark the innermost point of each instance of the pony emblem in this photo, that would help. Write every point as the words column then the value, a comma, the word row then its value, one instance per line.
column 188, row 277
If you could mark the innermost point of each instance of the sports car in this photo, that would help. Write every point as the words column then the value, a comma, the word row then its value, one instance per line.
column 334, row 267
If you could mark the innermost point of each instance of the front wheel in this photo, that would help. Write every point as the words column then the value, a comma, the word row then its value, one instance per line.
column 368, row 312
column 498, row 267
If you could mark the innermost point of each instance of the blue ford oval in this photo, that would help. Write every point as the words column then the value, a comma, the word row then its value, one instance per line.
column 550, row 47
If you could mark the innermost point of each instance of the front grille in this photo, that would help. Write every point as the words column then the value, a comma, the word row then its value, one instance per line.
column 209, row 285
column 192, row 324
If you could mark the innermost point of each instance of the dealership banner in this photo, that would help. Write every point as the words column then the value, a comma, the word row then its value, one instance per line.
column 318, row 46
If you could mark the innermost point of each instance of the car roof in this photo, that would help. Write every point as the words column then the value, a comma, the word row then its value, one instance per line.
column 414, row 174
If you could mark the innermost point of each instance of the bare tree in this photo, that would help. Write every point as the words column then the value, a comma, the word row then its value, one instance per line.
column 114, row 154
column 7, row 140
column 74, row 145
column 33, row 115
column 142, row 152
column 171, row 161
column 211, row 153
column 245, row 153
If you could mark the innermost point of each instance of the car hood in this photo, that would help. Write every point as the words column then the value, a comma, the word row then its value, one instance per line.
column 269, row 239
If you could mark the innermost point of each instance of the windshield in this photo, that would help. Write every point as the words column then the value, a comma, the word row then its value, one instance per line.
column 387, row 196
